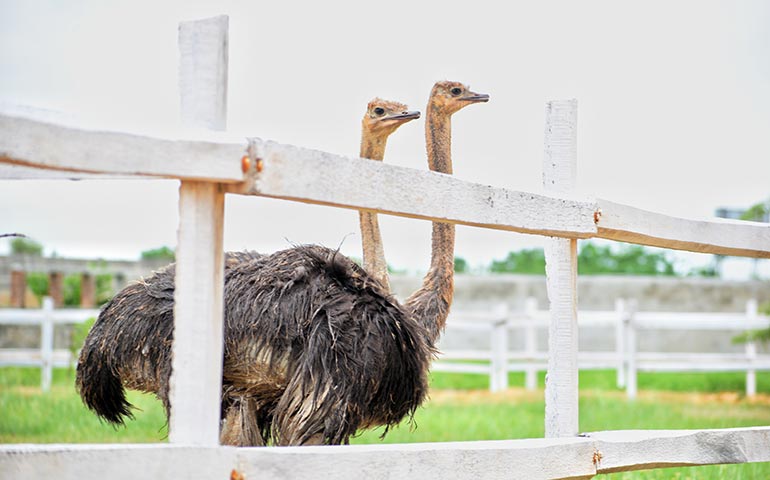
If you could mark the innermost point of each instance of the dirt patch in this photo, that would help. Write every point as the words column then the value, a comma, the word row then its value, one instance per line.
column 512, row 395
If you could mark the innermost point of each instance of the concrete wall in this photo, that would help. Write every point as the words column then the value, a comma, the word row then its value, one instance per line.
column 598, row 292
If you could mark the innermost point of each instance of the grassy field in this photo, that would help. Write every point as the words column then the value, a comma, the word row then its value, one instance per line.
column 460, row 408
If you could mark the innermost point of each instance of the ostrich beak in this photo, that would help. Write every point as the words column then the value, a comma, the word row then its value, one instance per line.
column 476, row 97
column 405, row 116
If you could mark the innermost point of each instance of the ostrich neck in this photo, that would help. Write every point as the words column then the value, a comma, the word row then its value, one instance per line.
column 430, row 304
column 373, row 147
column 438, row 136
column 438, row 133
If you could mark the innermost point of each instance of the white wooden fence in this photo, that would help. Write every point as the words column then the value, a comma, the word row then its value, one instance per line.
column 46, row 357
column 209, row 169
column 625, row 358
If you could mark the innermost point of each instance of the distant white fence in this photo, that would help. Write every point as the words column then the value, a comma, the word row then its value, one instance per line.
column 626, row 359
column 46, row 357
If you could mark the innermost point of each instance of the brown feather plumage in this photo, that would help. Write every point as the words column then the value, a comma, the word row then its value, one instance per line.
column 314, row 349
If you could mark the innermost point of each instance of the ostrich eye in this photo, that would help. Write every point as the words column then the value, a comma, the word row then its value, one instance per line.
column 456, row 91
column 379, row 111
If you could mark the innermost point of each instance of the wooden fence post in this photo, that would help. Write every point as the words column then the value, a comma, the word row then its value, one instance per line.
column 631, row 380
column 18, row 288
column 499, row 343
column 87, row 290
column 46, row 345
column 620, row 341
column 751, row 350
column 56, row 288
column 530, row 344
column 559, row 169
column 196, row 378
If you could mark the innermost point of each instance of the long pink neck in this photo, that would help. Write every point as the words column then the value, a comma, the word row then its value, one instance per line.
column 373, row 147
column 431, row 302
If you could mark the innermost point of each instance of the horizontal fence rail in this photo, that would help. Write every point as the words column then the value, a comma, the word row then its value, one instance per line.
column 721, row 237
column 41, row 144
column 546, row 458
column 292, row 173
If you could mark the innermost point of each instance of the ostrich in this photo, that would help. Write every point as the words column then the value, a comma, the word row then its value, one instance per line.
column 429, row 305
column 381, row 119
column 314, row 347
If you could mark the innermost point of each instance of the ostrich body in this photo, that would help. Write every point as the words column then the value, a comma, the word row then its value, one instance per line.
column 381, row 119
column 314, row 349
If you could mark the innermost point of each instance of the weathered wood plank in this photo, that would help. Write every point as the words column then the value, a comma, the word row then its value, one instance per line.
column 559, row 172
column 555, row 458
column 720, row 237
column 10, row 171
column 295, row 173
column 625, row 450
column 196, row 378
column 318, row 177
column 116, row 462
column 38, row 143
column 531, row 459
column 203, row 60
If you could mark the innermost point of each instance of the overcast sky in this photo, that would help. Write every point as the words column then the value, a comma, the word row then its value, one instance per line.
column 674, row 106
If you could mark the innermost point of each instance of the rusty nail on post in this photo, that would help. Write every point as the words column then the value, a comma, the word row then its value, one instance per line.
column 251, row 157
column 236, row 475
column 597, row 215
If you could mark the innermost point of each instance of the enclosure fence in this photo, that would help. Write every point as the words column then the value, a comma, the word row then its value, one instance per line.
column 496, row 358
column 209, row 169
column 46, row 318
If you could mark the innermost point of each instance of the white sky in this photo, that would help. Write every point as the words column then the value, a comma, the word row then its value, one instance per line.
column 674, row 106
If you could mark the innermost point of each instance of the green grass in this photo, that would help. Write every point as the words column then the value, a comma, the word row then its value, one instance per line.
column 459, row 409
column 29, row 416
column 605, row 380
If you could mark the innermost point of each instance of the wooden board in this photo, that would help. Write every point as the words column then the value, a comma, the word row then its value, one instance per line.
column 318, row 177
column 720, row 237
column 323, row 178
column 196, row 377
column 555, row 458
column 559, row 173
column 626, row 450
column 38, row 143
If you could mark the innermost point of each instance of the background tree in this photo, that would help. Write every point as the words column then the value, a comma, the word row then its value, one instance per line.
column 461, row 265
column 38, row 283
column 592, row 260
column 758, row 212
column 529, row 261
column 161, row 253
column 26, row 246
column 628, row 259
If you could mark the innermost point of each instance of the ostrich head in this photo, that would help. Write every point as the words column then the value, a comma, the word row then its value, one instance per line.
column 383, row 117
column 449, row 97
